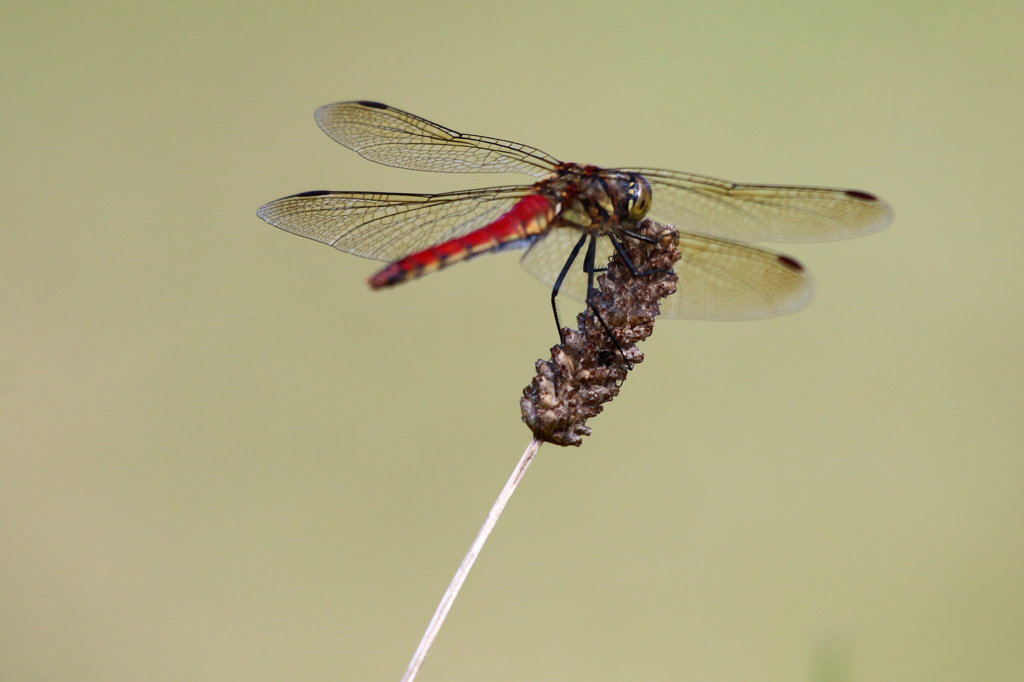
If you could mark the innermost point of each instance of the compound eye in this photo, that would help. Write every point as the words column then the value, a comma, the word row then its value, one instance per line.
column 639, row 202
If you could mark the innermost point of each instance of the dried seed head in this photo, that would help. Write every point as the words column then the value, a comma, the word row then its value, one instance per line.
column 587, row 369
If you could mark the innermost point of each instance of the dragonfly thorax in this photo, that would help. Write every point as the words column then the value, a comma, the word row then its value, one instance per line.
column 596, row 200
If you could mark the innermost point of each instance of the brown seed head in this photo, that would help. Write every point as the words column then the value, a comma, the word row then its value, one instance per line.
column 587, row 369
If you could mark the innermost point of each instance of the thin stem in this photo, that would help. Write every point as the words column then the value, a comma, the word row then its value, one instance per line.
column 467, row 562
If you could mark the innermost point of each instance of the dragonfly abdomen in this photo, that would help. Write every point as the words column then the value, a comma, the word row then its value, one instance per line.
column 530, row 216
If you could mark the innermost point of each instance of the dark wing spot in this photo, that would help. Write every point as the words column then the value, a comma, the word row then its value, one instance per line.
column 790, row 263
column 374, row 105
column 857, row 194
column 312, row 193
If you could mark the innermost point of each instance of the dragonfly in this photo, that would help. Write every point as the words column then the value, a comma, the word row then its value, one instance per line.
column 570, row 206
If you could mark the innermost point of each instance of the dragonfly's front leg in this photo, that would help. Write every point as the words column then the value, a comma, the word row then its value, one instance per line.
column 628, row 261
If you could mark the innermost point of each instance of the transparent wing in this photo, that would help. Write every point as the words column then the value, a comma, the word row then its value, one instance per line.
column 395, row 138
column 718, row 279
column 775, row 213
column 388, row 226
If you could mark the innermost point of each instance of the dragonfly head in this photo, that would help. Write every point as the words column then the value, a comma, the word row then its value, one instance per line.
column 638, row 197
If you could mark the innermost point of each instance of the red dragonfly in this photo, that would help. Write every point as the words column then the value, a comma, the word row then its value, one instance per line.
column 568, row 207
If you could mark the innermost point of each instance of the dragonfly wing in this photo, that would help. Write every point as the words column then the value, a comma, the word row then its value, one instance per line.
column 723, row 280
column 777, row 213
column 386, row 226
column 718, row 279
column 393, row 137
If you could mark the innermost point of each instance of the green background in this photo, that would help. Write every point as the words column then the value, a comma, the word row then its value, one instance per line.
column 224, row 458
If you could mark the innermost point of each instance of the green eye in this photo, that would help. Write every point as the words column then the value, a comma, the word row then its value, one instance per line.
column 639, row 202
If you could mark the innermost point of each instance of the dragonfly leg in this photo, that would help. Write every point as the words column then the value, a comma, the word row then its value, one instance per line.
column 637, row 272
column 590, row 268
column 558, row 284
column 637, row 235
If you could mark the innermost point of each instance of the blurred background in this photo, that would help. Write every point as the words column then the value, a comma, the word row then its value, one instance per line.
column 224, row 458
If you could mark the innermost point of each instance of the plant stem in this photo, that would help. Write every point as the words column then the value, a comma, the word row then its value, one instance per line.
column 467, row 562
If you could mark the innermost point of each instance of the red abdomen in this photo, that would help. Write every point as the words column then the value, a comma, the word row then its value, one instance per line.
column 530, row 216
